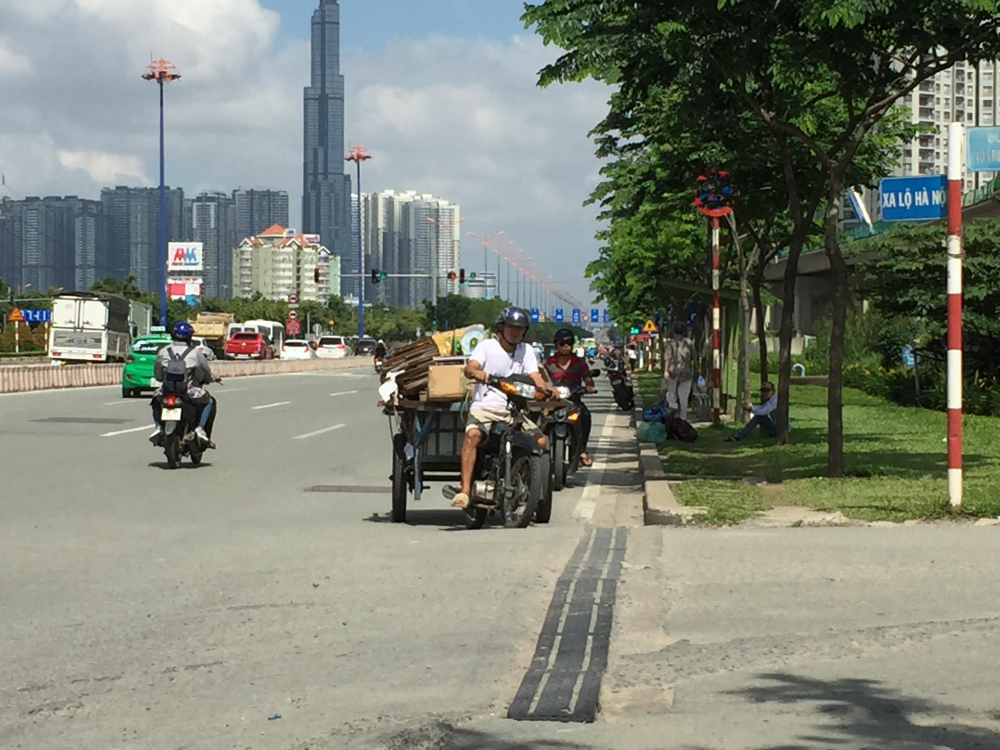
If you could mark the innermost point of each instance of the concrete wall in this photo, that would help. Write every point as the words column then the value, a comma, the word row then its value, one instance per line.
column 18, row 379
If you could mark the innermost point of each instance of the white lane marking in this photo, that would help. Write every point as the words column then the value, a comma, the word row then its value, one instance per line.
column 221, row 392
column 126, row 401
column 585, row 507
column 127, row 432
column 344, row 393
column 319, row 432
column 271, row 406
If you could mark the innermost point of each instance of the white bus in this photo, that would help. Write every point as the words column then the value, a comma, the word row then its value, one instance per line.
column 275, row 332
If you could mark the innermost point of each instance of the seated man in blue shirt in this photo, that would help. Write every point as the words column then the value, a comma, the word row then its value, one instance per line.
column 761, row 414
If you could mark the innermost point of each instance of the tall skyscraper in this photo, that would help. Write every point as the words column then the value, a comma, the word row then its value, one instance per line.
column 135, row 234
column 326, row 194
column 213, row 223
column 256, row 210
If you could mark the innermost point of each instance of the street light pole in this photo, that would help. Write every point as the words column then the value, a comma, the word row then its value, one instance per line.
column 486, row 239
column 162, row 71
column 358, row 154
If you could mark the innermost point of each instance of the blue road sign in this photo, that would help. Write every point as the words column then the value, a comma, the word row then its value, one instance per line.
column 535, row 317
column 595, row 315
column 607, row 316
column 559, row 315
column 914, row 198
column 576, row 315
column 983, row 149
column 36, row 316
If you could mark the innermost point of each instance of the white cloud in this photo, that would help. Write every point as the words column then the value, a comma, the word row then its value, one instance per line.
column 460, row 118
column 105, row 168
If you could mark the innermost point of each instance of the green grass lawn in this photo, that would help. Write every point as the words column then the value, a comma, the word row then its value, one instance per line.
column 895, row 459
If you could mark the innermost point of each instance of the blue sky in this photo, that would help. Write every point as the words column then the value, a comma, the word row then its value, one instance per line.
column 369, row 25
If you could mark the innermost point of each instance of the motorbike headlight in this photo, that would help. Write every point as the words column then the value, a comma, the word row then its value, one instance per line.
column 574, row 416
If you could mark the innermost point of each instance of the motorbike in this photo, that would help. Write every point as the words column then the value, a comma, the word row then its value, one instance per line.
column 511, row 473
column 179, row 417
column 561, row 429
column 620, row 386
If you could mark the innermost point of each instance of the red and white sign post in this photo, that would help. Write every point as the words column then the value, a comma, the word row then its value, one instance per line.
column 956, row 169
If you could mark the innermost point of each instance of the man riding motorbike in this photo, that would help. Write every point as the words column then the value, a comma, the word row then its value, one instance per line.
column 503, row 356
column 567, row 369
column 198, row 374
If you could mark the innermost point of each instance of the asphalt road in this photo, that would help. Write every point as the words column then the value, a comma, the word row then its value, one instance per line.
column 149, row 608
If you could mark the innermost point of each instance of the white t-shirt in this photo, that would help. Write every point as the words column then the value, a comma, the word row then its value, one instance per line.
column 496, row 361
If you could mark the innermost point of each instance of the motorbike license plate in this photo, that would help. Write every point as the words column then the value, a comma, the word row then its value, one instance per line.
column 154, row 383
column 170, row 415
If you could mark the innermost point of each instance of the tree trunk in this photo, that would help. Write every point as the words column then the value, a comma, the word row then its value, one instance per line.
column 787, row 330
column 745, row 322
column 758, row 306
column 835, row 391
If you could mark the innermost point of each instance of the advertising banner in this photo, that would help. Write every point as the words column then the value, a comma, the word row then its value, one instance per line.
column 183, row 257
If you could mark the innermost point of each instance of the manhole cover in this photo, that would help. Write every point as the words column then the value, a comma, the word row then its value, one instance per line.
column 350, row 489
column 83, row 420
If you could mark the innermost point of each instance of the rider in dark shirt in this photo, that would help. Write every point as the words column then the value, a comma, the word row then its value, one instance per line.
column 567, row 369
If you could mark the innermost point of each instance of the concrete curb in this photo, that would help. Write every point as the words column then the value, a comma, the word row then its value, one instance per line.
column 659, row 506
column 22, row 379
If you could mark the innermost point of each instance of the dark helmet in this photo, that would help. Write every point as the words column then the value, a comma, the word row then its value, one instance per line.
column 515, row 316
column 182, row 331
column 564, row 334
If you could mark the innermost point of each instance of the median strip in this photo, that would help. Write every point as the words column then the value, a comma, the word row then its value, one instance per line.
column 318, row 432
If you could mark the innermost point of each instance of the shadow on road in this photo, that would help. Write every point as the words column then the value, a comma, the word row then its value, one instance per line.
column 444, row 518
column 184, row 465
column 864, row 713
column 441, row 735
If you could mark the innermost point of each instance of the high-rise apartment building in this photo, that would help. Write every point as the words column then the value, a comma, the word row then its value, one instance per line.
column 213, row 223
column 326, row 196
column 256, row 210
column 276, row 264
column 54, row 242
column 134, row 246
column 410, row 234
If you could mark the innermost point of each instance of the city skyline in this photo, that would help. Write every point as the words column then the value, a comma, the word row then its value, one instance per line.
column 517, row 158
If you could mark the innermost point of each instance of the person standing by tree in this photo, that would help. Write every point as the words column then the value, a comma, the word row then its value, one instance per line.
column 677, row 371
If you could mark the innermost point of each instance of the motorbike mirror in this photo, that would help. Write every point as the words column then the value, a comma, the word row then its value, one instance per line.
column 595, row 372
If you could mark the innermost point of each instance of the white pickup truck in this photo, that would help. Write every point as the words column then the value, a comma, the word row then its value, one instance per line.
column 89, row 327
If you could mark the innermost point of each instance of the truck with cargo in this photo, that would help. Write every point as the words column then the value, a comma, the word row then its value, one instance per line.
column 89, row 327
column 214, row 328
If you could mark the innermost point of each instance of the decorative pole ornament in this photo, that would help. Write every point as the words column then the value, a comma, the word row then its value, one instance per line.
column 714, row 196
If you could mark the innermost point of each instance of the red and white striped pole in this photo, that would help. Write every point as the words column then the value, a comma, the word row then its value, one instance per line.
column 956, row 168
column 716, row 325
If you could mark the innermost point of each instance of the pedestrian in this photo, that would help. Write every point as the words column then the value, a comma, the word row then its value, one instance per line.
column 761, row 414
column 633, row 357
column 677, row 370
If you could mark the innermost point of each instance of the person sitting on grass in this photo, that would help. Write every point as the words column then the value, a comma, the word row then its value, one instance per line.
column 761, row 414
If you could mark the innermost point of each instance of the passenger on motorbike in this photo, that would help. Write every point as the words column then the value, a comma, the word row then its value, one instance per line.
column 198, row 374
column 567, row 369
column 503, row 356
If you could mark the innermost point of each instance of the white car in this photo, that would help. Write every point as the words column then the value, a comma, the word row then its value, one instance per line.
column 332, row 347
column 204, row 348
column 296, row 349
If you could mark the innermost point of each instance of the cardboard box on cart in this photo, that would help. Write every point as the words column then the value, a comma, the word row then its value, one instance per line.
column 446, row 379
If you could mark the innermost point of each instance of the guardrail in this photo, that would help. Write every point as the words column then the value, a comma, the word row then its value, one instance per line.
column 20, row 379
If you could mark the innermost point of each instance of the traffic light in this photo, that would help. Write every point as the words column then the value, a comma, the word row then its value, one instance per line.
column 376, row 278
column 461, row 276
column 634, row 330
column 452, row 276
column 316, row 275
column 472, row 275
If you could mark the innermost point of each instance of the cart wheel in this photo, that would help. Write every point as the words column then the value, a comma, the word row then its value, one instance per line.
column 399, row 487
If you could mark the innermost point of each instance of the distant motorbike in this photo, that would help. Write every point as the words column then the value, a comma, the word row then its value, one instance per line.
column 511, row 473
column 621, row 387
column 562, row 430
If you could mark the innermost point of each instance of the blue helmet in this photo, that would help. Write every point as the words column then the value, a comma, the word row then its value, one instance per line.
column 182, row 331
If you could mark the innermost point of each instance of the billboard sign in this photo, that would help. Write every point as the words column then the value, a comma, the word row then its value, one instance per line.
column 187, row 288
column 183, row 257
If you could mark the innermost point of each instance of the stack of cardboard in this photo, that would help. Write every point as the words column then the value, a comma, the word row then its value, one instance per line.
column 423, row 373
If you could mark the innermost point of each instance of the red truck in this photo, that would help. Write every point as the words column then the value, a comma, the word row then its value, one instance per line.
column 247, row 345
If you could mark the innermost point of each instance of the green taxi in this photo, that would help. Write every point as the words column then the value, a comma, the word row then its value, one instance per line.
column 137, row 376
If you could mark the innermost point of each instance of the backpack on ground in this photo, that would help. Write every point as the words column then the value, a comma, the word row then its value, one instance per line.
column 680, row 429
column 177, row 376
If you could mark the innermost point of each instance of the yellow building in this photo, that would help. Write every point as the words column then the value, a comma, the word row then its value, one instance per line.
column 279, row 262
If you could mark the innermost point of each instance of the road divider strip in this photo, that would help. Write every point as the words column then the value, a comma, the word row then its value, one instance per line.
column 21, row 379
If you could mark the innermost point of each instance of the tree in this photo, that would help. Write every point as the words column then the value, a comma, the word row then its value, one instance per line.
column 793, row 65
